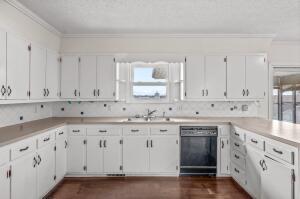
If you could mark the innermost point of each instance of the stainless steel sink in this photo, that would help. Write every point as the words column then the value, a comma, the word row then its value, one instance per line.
column 154, row 119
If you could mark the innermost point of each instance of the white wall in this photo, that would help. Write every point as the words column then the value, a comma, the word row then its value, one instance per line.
column 13, row 20
column 284, row 53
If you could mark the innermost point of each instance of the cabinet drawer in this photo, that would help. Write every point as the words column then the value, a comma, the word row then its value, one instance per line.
column 280, row 152
column 22, row 148
column 238, row 174
column 255, row 141
column 4, row 155
column 238, row 133
column 104, row 130
column 164, row 130
column 45, row 138
column 238, row 145
column 61, row 133
column 238, row 158
column 135, row 130
column 76, row 130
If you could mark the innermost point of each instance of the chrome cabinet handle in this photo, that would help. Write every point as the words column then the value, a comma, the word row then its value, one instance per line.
column 104, row 143
column 34, row 162
column 202, row 92
column 236, row 156
column 9, row 91
column 46, row 139
column 76, row 131
column 236, row 144
column 100, row 144
column 3, row 90
column 206, row 92
column 147, row 143
column 98, row 92
column 151, row 143
column 24, row 149
column 237, row 134
column 135, row 130
column 66, row 144
column 102, row 131
column 75, row 92
column 244, row 92
column 222, row 144
column 248, row 92
column 236, row 170
column 254, row 141
column 163, row 130
column 277, row 151
column 61, row 133
column 40, row 159
column 48, row 92
column 45, row 92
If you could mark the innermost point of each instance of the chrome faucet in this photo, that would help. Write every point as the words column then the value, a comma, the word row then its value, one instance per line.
column 149, row 115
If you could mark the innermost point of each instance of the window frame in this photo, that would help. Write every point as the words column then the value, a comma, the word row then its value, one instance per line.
column 131, row 83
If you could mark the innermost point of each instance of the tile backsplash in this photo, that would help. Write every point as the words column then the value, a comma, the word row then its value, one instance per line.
column 97, row 109
column 19, row 113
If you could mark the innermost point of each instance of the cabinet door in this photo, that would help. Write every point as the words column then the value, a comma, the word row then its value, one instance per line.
column 256, row 76
column 37, row 72
column 52, row 74
column 17, row 68
column 69, row 77
column 76, row 154
column 164, row 154
column 106, row 78
column 23, row 178
column 45, row 169
column 253, row 171
column 224, row 156
column 2, row 64
column 277, row 181
column 135, row 154
column 112, row 155
column 61, row 159
column 194, row 77
column 88, row 74
column 94, row 154
column 4, row 182
column 236, row 77
column 215, row 77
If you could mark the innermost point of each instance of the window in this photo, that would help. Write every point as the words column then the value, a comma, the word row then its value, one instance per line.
column 286, row 94
column 149, row 81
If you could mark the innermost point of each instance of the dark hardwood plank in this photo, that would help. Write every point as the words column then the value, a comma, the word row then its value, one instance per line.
column 148, row 188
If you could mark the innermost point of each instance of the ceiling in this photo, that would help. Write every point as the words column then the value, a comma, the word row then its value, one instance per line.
column 280, row 17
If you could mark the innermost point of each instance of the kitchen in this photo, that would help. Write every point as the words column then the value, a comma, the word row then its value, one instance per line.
column 160, row 99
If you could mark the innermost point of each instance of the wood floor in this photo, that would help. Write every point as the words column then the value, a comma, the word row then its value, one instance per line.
column 148, row 188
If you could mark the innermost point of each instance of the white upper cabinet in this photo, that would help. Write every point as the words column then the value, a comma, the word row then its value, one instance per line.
column 3, row 88
column 215, row 77
column 88, row 77
column 106, row 78
column 17, row 67
column 37, row 72
column 69, row 77
column 247, row 77
column 194, row 77
column 52, row 74
column 236, row 75
column 256, row 76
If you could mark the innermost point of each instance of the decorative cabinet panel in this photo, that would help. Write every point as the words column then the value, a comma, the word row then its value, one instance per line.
column 224, row 156
column 76, row 154
column 94, row 154
column 88, row 77
column 17, row 68
column 37, row 72
column 112, row 154
column 70, row 77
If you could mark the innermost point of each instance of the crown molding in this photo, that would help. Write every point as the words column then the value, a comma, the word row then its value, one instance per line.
column 270, row 36
column 289, row 42
column 16, row 4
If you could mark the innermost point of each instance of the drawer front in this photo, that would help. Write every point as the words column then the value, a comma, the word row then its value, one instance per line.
column 280, row 152
column 46, row 138
column 61, row 133
column 238, row 134
column 238, row 158
column 238, row 174
column 4, row 155
column 238, row 146
column 104, row 130
column 22, row 148
column 76, row 130
column 135, row 130
column 255, row 141
column 164, row 130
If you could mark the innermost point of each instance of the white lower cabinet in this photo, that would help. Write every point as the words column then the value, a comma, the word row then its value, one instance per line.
column 61, row 158
column 277, row 180
column 136, row 154
column 94, row 154
column 76, row 154
column 224, row 153
column 164, row 154
column 253, row 171
column 24, row 177
column 112, row 154
column 5, row 181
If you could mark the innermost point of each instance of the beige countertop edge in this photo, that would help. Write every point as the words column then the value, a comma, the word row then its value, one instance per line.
column 58, row 122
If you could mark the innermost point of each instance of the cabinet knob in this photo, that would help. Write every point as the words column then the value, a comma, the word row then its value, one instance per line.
column 3, row 90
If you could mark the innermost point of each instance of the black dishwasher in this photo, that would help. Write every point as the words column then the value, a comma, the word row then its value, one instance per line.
column 198, row 154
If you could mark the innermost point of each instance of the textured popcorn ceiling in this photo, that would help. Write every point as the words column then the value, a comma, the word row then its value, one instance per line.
column 281, row 17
